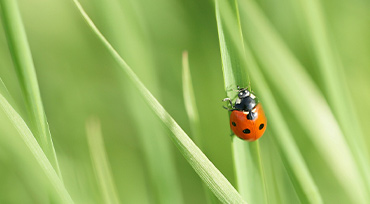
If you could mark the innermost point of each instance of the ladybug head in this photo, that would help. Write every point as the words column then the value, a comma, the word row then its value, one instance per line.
column 243, row 93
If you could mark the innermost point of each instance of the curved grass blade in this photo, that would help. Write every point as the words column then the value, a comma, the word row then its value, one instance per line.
column 192, row 111
column 335, row 84
column 100, row 161
column 285, row 140
column 35, row 149
column 189, row 99
column 246, row 155
column 127, row 30
column 21, row 54
column 214, row 179
column 311, row 111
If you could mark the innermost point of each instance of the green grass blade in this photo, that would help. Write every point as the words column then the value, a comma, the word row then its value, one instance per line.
column 335, row 84
column 285, row 140
column 100, row 161
column 35, row 149
column 214, row 179
column 189, row 99
column 246, row 154
column 311, row 111
column 192, row 111
column 124, row 26
column 21, row 54
column 287, row 145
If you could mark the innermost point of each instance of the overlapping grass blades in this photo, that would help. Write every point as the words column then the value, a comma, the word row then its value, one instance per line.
column 247, row 160
column 35, row 149
column 128, row 36
column 100, row 161
column 205, row 169
column 192, row 111
column 189, row 99
column 336, row 89
column 312, row 112
column 23, row 63
column 277, row 124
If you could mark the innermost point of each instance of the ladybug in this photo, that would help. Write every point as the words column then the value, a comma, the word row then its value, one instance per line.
column 247, row 119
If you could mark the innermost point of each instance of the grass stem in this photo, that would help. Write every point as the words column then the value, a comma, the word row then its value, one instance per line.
column 23, row 62
column 213, row 178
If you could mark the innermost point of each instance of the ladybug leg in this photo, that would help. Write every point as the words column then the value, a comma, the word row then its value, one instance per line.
column 228, row 108
column 230, row 102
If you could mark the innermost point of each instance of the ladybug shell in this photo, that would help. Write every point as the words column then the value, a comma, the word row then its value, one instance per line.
column 247, row 129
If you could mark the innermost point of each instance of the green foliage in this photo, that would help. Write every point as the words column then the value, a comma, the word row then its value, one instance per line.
column 22, row 58
column 100, row 161
column 307, row 62
column 163, row 177
column 206, row 170
column 35, row 149
column 246, row 155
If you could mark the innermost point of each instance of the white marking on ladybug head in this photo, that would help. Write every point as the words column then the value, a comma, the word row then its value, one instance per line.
column 238, row 101
column 254, row 110
column 253, row 96
column 246, row 112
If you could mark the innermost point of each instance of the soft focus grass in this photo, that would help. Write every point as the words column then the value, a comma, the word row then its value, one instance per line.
column 231, row 24
column 35, row 149
column 247, row 156
column 77, row 78
column 210, row 175
column 23, row 64
column 163, row 178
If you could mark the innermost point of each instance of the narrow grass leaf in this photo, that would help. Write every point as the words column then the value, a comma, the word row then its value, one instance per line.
column 189, row 99
column 192, row 111
column 123, row 24
column 311, row 111
column 279, row 189
column 284, row 139
column 35, row 149
column 335, row 84
column 21, row 54
column 214, row 179
column 246, row 155
column 100, row 161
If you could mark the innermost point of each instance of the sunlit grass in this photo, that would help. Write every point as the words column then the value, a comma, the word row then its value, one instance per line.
column 206, row 170
column 35, row 149
column 312, row 112
column 100, row 161
column 164, row 180
column 22, row 58
column 306, row 61
column 192, row 111
column 247, row 159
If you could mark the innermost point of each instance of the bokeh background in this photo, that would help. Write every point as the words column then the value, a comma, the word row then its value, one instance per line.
column 79, row 79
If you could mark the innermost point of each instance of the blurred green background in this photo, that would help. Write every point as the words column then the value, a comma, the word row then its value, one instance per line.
column 79, row 79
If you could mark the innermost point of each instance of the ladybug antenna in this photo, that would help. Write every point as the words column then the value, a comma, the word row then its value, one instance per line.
column 249, row 87
column 238, row 88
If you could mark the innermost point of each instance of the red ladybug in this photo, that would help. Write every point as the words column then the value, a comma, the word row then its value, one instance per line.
column 247, row 119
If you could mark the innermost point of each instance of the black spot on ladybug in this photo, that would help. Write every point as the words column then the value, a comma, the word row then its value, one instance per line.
column 246, row 131
column 233, row 123
column 261, row 126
